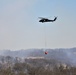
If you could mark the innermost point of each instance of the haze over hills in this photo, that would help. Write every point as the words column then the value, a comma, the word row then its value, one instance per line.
column 61, row 54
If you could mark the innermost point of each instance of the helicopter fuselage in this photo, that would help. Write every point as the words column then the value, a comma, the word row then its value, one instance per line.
column 47, row 20
column 44, row 20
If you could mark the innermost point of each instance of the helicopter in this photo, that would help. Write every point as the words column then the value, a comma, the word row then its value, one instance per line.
column 46, row 19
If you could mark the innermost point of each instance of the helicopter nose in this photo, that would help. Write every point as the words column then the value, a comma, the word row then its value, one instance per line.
column 39, row 20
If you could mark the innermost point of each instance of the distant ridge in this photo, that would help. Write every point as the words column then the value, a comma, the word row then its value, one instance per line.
column 61, row 54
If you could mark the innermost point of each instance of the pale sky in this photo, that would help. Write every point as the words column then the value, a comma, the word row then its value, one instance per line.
column 20, row 27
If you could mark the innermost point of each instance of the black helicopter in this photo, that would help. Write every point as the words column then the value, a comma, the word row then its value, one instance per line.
column 46, row 20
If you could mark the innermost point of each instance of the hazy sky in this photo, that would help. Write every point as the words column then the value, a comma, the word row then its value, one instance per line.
column 20, row 29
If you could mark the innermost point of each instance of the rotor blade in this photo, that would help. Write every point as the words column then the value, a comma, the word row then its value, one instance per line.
column 41, row 17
